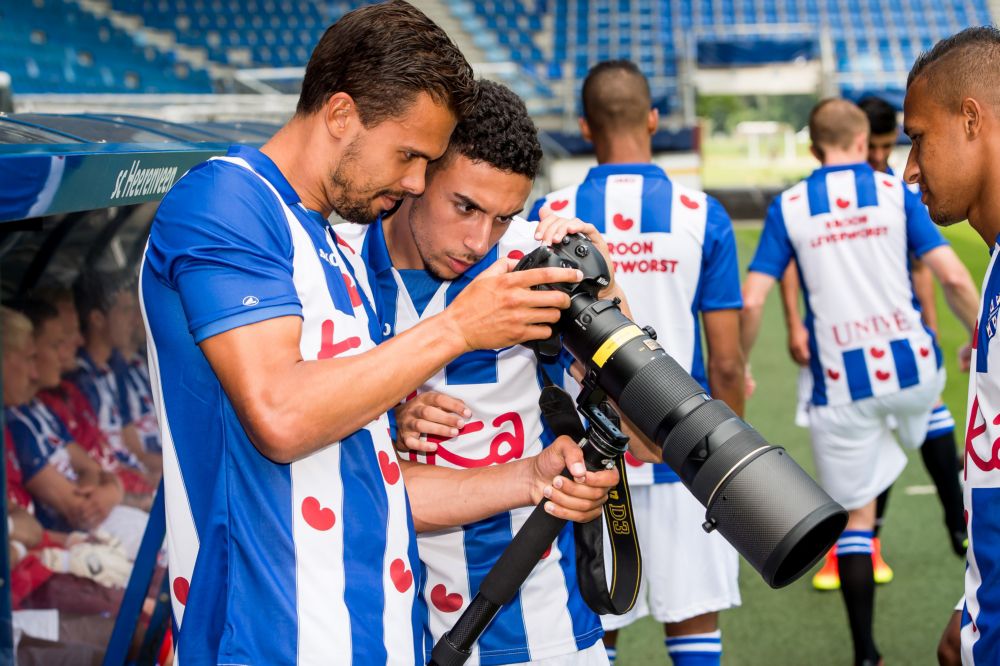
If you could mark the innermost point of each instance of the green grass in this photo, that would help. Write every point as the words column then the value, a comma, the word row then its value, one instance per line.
column 796, row 625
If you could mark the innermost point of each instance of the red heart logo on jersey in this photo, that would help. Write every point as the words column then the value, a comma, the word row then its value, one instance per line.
column 390, row 468
column 316, row 516
column 882, row 375
column 622, row 222
column 795, row 197
column 559, row 205
column 632, row 461
column 832, row 374
column 888, row 183
column 401, row 577
column 924, row 351
column 689, row 202
column 445, row 602
column 515, row 255
column 843, row 203
column 181, row 589
column 547, row 552
column 876, row 352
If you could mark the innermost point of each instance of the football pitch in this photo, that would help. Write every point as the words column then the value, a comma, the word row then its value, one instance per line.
column 798, row 626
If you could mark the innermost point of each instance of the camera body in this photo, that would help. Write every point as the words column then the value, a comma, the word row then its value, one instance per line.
column 575, row 251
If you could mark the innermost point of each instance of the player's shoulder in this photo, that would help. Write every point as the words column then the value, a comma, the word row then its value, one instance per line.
column 561, row 202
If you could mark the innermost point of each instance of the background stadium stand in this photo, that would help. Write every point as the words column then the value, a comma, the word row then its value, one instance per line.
column 541, row 48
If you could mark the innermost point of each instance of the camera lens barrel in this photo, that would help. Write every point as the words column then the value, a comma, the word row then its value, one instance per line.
column 756, row 496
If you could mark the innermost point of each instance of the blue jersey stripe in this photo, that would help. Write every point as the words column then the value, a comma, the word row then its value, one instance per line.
column 819, row 379
column 364, row 532
column 858, row 380
column 906, row 363
column 506, row 640
column 657, row 200
column 819, row 200
column 475, row 367
column 590, row 203
column 985, row 544
column 864, row 184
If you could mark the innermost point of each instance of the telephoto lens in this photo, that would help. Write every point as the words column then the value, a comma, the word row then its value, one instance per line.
column 774, row 514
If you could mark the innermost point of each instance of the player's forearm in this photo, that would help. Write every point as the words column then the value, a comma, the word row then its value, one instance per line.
column 315, row 403
column 441, row 497
column 750, row 318
column 963, row 300
column 790, row 297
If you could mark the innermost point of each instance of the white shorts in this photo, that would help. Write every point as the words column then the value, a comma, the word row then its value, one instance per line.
column 686, row 572
column 595, row 655
column 856, row 455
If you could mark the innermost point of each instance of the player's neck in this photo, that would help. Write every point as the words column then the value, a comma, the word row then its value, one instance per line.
column 834, row 158
column 624, row 149
column 293, row 150
column 984, row 214
column 399, row 238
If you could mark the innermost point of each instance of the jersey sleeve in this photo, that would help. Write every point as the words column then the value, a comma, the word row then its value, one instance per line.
column 221, row 240
column 32, row 453
column 720, row 272
column 922, row 235
column 774, row 250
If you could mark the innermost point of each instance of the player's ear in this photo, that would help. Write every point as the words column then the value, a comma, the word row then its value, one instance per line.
column 584, row 129
column 340, row 114
column 653, row 121
column 972, row 117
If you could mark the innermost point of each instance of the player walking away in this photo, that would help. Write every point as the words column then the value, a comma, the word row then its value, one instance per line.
column 873, row 363
column 951, row 114
column 938, row 449
column 289, row 531
column 675, row 257
column 482, row 409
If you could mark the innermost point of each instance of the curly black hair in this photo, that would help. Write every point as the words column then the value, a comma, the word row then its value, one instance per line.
column 499, row 132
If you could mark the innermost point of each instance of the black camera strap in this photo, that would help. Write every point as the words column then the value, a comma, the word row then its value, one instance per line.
column 620, row 596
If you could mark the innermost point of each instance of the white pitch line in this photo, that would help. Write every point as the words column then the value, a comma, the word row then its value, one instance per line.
column 920, row 490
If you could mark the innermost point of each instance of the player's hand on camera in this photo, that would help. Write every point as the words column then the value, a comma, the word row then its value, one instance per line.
column 578, row 499
column 500, row 309
column 552, row 229
column 429, row 413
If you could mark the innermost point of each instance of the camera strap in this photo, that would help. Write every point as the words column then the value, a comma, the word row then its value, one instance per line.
column 620, row 596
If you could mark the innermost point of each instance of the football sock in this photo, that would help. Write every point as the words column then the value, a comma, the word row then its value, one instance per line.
column 612, row 653
column 854, row 559
column 696, row 649
column 939, row 458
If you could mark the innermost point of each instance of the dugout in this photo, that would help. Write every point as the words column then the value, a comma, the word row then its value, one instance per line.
column 79, row 192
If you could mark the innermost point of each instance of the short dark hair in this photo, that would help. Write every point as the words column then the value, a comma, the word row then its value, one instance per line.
column 958, row 65
column 95, row 290
column 383, row 56
column 498, row 131
column 616, row 96
column 881, row 115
